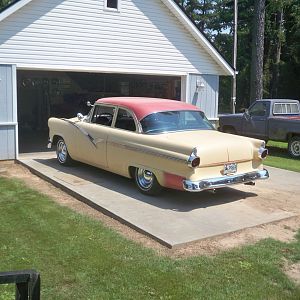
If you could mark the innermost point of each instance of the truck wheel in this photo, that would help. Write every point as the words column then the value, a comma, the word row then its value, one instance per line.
column 147, row 182
column 294, row 146
column 62, row 153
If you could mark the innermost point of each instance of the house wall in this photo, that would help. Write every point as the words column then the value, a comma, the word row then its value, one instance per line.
column 143, row 37
column 206, row 95
column 8, row 112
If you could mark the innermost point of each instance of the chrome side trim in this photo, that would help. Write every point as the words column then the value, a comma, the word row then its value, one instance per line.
column 147, row 151
column 81, row 130
column 219, row 182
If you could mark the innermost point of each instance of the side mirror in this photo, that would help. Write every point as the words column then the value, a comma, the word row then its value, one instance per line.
column 80, row 116
column 247, row 114
column 89, row 104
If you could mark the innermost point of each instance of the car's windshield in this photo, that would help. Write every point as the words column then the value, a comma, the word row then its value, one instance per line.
column 175, row 121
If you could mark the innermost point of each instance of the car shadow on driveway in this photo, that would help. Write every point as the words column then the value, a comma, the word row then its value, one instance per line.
column 81, row 174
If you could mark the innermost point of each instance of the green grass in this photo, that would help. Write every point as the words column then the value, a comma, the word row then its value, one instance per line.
column 79, row 258
column 279, row 157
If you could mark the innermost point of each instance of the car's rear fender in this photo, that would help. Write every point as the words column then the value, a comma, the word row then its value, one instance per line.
column 165, row 179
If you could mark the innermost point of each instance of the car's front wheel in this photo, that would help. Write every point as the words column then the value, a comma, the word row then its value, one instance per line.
column 294, row 146
column 147, row 182
column 62, row 153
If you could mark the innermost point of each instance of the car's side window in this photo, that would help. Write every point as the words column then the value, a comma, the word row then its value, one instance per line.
column 125, row 120
column 103, row 115
column 259, row 109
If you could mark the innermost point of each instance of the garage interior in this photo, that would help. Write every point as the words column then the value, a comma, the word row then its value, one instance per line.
column 44, row 94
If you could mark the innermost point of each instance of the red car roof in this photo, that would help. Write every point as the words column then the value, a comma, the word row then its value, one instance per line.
column 142, row 107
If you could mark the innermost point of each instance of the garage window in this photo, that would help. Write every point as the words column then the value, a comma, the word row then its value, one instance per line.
column 112, row 4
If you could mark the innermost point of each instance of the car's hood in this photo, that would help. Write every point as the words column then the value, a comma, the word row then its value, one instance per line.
column 215, row 147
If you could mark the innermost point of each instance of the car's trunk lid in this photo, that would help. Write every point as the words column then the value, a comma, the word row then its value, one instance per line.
column 214, row 147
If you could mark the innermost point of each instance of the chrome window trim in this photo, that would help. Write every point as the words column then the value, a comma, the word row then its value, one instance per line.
column 182, row 130
column 106, row 105
column 137, row 124
column 162, row 111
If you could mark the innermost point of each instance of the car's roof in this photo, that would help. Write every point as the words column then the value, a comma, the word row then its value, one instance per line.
column 142, row 107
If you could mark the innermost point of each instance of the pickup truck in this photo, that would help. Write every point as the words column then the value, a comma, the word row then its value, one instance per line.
column 268, row 119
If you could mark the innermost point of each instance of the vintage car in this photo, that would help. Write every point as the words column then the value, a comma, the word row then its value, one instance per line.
column 159, row 143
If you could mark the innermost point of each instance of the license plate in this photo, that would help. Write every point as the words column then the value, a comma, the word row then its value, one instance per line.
column 230, row 168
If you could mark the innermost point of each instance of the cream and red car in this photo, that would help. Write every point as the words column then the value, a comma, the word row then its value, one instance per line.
column 159, row 143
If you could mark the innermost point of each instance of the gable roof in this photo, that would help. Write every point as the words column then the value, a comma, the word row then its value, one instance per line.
column 175, row 9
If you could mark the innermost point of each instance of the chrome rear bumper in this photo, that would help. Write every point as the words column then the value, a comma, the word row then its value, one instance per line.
column 219, row 182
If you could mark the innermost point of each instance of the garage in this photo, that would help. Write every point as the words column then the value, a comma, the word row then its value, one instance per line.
column 57, row 55
column 44, row 94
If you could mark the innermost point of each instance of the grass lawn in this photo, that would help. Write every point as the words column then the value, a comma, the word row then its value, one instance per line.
column 279, row 157
column 78, row 258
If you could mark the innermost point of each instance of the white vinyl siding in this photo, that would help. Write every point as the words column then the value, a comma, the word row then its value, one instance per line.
column 144, row 37
column 206, row 95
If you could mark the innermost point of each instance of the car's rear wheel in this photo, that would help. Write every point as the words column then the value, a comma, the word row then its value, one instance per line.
column 294, row 146
column 62, row 153
column 147, row 182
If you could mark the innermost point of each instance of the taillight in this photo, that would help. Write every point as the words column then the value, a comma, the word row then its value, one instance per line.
column 194, row 160
column 262, row 151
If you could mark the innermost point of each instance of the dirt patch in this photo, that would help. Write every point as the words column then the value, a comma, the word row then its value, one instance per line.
column 283, row 230
column 293, row 272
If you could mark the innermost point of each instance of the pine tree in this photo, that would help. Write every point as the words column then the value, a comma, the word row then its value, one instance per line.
column 257, row 57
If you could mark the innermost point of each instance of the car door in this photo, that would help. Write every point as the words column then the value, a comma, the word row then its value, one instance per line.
column 97, row 129
column 255, row 120
column 122, row 142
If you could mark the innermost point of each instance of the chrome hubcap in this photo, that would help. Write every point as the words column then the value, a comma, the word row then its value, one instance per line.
column 144, row 179
column 62, row 151
column 295, row 148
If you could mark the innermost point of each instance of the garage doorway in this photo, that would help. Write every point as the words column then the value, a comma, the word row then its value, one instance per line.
column 44, row 94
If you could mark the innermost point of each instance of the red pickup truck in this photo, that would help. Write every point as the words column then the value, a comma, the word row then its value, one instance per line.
column 268, row 119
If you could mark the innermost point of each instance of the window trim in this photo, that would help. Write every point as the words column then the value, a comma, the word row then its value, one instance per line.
column 106, row 8
column 285, row 103
column 256, row 104
column 137, row 123
column 104, row 105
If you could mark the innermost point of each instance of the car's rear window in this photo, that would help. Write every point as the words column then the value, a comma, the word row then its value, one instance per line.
column 170, row 121
column 286, row 109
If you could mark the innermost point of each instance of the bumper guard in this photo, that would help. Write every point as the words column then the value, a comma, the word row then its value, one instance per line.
column 219, row 182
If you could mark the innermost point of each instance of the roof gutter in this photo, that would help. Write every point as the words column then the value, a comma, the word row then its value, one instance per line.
column 11, row 8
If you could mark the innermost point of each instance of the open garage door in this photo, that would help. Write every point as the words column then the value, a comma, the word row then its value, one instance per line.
column 44, row 94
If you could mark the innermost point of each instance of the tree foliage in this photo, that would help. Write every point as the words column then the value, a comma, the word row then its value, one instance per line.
column 281, row 73
column 3, row 3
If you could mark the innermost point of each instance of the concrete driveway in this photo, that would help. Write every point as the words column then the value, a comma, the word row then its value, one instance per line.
column 174, row 218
